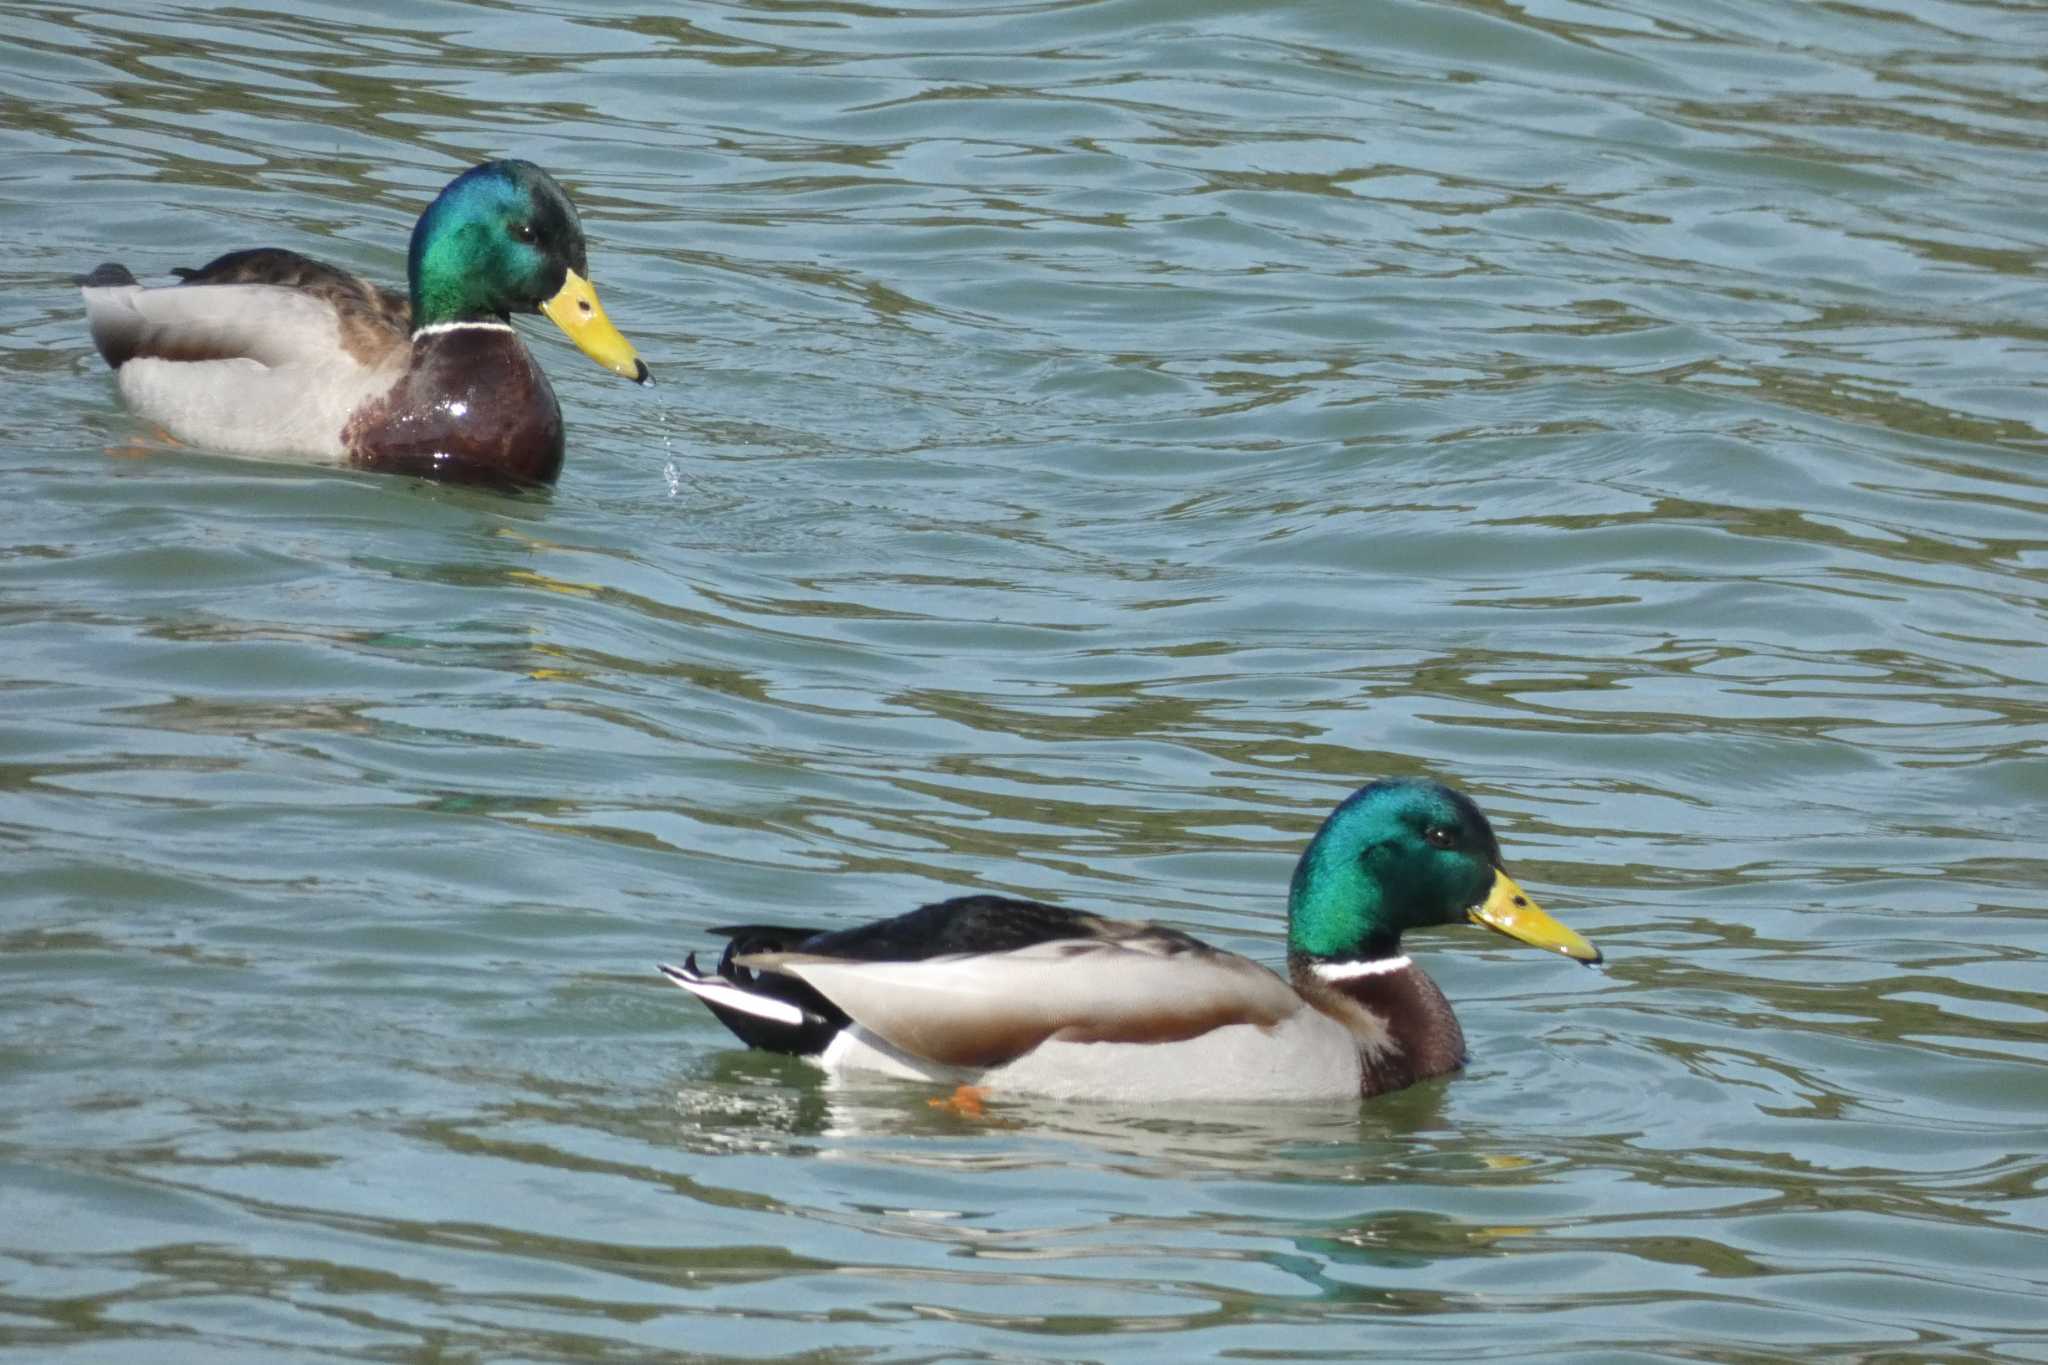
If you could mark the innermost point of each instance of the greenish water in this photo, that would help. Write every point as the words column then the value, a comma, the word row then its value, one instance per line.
column 1093, row 437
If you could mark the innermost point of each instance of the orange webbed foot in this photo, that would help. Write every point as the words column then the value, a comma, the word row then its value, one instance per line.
column 967, row 1101
column 136, row 450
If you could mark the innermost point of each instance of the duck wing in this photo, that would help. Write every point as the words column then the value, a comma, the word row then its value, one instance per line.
column 272, row 306
column 982, row 980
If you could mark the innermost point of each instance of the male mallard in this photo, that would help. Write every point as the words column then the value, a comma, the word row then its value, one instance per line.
column 266, row 352
column 1040, row 999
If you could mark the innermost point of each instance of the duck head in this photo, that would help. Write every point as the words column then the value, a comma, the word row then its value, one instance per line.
column 503, row 238
column 1407, row 854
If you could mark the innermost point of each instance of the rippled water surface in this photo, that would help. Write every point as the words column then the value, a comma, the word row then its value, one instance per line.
column 1092, row 438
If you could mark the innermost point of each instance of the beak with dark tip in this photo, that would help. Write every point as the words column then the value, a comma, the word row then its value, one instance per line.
column 575, row 310
column 1507, row 910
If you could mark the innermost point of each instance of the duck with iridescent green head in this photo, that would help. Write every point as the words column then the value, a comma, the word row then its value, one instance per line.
column 267, row 352
column 1014, row 996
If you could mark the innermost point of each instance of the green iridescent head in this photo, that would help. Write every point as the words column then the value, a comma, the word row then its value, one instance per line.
column 1404, row 854
column 503, row 238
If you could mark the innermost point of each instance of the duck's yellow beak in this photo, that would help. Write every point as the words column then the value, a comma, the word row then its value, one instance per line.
column 575, row 310
column 1511, row 912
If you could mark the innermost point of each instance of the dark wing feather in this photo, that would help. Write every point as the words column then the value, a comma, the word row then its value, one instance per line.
column 964, row 924
column 290, row 270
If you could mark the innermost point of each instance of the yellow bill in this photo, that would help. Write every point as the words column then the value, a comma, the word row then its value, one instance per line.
column 1509, row 911
column 575, row 310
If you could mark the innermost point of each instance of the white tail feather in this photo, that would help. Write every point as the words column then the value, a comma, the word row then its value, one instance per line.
column 733, row 997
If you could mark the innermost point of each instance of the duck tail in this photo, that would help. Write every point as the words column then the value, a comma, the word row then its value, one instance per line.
column 764, row 1010
column 107, row 275
column 117, row 328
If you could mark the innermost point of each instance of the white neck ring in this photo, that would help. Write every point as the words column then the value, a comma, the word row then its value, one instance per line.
column 435, row 329
column 1346, row 971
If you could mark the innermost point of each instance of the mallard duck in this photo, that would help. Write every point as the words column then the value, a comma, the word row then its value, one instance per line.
column 1014, row 995
column 267, row 352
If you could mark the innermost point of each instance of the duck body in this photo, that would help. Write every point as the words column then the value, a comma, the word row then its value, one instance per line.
column 1018, row 996
column 267, row 352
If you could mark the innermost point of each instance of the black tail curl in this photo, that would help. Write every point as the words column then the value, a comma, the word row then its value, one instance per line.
column 822, row 1020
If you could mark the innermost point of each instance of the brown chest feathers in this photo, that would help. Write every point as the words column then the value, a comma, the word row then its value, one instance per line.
column 1404, row 1025
column 471, row 407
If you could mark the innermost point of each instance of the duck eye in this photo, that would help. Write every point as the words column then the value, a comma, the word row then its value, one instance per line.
column 524, row 232
column 1440, row 836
